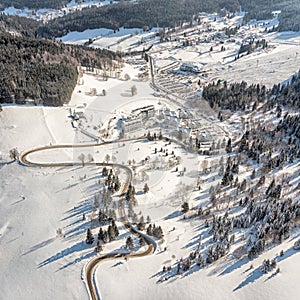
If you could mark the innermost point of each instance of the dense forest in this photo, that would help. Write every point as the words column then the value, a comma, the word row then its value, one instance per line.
column 33, row 4
column 240, row 96
column 168, row 13
column 147, row 13
column 41, row 70
column 20, row 25
column 262, row 9
column 152, row 13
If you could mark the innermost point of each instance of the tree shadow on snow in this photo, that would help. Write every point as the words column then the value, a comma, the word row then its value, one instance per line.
column 257, row 273
column 66, row 252
column 173, row 215
column 251, row 278
column 38, row 246
column 234, row 265
column 77, row 260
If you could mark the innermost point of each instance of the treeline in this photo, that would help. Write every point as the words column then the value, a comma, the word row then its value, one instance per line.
column 147, row 14
column 240, row 96
column 33, row 4
column 236, row 96
column 287, row 94
column 43, row 70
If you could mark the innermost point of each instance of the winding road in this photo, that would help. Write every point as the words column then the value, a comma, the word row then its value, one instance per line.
column 91, row 266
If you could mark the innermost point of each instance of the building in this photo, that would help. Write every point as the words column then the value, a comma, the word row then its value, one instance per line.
column 187, row 67
column 145, row 112
column 137, row 118
column 130, row 125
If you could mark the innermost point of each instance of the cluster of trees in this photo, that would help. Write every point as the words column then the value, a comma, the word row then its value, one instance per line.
column 43, row 70
column 107, row 215
column 112, row 181
column 130, row 194
column 252, row 45
column 232, row 168
column 269, row 265
column 155, row 231
column 231, row 30
column 141, row 14
column 241, row 96
column 106, row 236
column 154, row 136
column 286, row 94
column 130, row 243
column 236, row 96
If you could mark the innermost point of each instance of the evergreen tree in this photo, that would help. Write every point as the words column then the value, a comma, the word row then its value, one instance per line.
column 228, row 146
column 142, row 241
column 129, row 243
column 89, row 237
column 148, row 219
column 146, row 188
column 99, row 247
column 111, row 233
column 185, row 207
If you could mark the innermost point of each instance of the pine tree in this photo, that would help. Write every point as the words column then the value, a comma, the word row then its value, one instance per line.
column 104, row 172
column 149, row 229
column 99, row 247
column 146, row 188
column 142, row 241
column 115, row 228
column 105, row 237
column 129, row 243
column 160, row 136
column 228, row 146
column 89, row 237
column 111, row 233
column 148, row 219
column 101, row 235
column 185, row 207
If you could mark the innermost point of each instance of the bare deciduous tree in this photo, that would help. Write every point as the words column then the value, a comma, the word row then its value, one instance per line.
column 81, row 157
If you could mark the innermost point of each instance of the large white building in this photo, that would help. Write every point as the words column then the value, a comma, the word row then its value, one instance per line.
column 137, row 118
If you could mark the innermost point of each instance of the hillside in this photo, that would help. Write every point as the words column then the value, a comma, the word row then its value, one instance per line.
column 41, row 70
column 147, row 13
column 18, row 25
column 261, row 10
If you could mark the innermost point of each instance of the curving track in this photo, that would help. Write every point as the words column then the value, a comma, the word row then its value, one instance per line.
column 93, row 263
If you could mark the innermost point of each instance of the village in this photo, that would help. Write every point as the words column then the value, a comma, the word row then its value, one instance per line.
column 138, row 148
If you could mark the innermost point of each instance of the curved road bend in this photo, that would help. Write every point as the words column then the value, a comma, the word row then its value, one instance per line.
column 93, row 263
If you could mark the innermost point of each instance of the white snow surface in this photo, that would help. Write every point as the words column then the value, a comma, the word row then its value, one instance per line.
column 35, row 263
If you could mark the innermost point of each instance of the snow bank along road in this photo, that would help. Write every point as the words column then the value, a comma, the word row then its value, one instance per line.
column 93, row 263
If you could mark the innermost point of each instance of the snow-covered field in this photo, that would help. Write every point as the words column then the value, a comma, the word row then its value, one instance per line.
column 47, row 14
column 36, row 262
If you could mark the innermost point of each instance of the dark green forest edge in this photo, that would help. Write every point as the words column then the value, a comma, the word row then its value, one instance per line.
column 43, row 70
